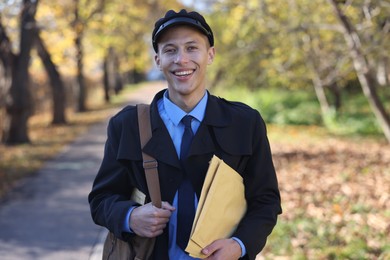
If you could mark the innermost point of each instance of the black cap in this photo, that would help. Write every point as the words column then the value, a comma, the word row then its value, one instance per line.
column 183, row 17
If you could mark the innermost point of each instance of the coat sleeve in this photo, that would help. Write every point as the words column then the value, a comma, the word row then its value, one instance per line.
column 261, row 192
column 110, row 196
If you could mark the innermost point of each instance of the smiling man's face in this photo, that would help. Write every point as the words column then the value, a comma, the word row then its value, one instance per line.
column 183, row 56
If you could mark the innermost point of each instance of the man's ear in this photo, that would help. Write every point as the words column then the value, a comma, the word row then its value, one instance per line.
column 157, row 60
column 211, row 54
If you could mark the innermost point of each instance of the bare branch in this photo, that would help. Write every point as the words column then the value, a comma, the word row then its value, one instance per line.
column 98, row 10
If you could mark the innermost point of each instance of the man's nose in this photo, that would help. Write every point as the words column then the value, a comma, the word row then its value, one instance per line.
column 181, row 57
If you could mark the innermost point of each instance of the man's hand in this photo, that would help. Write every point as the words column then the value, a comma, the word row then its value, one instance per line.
column 223, row 249
column 149, row 221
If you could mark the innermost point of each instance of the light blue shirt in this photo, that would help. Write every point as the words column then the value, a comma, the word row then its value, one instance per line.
column 172, row 115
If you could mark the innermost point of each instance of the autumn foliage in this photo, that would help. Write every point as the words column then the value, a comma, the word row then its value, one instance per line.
column 335, row 195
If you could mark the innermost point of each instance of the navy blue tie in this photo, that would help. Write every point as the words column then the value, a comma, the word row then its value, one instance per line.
column 186, row 195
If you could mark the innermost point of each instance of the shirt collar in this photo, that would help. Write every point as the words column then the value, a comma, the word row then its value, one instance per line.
column 175, row 113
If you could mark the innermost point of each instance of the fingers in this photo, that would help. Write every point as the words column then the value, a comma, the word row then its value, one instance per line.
column 154, row 230
column 210, row 249
column 150, row 221
column 167, row 206
column 222, row 249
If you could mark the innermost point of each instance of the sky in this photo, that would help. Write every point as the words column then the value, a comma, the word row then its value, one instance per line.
column 199, row 5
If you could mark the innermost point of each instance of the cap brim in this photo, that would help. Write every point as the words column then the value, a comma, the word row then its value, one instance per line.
column 180, row 21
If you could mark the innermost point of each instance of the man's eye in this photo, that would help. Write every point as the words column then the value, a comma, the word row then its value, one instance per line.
column 192, row 48
column 169, row 50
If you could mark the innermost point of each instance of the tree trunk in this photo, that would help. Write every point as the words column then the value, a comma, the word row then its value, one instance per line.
column 321, row 96
column 57, row 85
column 335, row 90
column 108, row 75
column 318, row 86
column 118, row 86
column 7, row 59
column 383, row 71
column 106, row 80
column 365, row 75
column 19, row 106
column 80, row 80
column 81, row 87
column 112, row 79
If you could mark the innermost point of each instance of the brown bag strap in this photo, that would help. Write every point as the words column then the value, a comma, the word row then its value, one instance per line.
column 149, row 163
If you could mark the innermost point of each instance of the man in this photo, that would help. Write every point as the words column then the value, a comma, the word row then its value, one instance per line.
column 184, row 45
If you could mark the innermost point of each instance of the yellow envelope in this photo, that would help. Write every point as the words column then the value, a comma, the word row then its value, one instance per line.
column 221, row 206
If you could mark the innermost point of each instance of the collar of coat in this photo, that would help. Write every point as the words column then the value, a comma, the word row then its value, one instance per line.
column 224, row 121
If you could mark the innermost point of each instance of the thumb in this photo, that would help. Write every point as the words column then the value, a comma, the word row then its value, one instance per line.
column 210, row 249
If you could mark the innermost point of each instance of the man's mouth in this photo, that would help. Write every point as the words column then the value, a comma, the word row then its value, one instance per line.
column 183, row 73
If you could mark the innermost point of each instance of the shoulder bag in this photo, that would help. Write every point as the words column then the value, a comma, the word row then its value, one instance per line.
column 138, row 248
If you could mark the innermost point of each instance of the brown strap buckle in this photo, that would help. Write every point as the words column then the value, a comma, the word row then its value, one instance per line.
column 150, row 164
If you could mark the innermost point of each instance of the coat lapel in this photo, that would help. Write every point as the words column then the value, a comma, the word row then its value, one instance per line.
column 160, row 146
column 203, row 142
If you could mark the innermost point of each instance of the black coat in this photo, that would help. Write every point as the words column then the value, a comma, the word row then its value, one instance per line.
column 233, row 131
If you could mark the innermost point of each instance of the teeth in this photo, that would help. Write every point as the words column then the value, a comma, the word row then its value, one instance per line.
column 183, row 73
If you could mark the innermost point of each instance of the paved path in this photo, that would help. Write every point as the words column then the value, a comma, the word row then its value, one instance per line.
column 47, row 216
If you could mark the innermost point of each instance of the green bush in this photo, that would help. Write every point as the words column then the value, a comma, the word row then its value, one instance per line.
column 280, row 106
column 300, row 107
